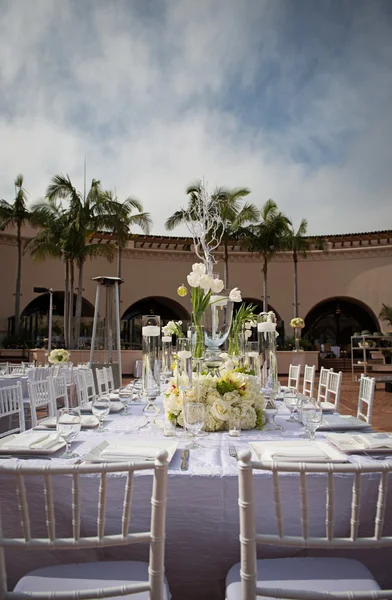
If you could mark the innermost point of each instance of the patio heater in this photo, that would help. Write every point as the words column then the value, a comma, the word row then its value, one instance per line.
column 44, row 290
column 112, row 319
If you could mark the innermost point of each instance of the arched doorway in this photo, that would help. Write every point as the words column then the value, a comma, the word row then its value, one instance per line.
column 35, row 317
column 334, row 320
column 167, row 308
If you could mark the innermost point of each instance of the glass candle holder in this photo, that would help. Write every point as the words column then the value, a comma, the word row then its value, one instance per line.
column 151, row 374
column 166, row 355
column 184, row 364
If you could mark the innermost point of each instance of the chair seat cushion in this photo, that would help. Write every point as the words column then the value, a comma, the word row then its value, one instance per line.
column 310, row 574
column 84, row 576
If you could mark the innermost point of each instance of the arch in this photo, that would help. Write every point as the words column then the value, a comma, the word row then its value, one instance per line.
column 334, row 320
column 40, row 306
column 167, row 308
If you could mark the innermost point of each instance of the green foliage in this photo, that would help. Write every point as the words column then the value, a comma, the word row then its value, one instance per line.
column 224, row 386
column 386, row 313
column 260, row 420
column 245, row 371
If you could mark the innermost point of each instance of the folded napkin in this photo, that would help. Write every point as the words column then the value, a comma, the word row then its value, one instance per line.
column 373, row 443
column 126, row 452
column 32, row 441
column 300, row 453
column 113, row 396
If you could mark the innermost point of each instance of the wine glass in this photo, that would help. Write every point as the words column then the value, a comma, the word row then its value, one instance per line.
column 125, row 394
column 312, row 416
column 68, row 426
column 101, row 409
column 194, row 416
column 291, row 401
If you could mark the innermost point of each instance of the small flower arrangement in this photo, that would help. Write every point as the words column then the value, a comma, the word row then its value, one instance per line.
column 59, row 356
column 173, row 328
column 297, row 323
column 235, row 391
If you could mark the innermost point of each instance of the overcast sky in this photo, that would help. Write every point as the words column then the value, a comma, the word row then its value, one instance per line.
column 291, row 98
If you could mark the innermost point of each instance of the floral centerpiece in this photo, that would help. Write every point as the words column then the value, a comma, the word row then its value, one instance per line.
column 242, row 323
column 297, row 324
column 59, row 356
column 235, row 391
column 173, row 328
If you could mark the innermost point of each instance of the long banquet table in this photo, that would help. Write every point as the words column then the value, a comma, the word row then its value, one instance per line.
column 202, row 515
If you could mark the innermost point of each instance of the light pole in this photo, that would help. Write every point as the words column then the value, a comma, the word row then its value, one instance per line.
column 42, row 290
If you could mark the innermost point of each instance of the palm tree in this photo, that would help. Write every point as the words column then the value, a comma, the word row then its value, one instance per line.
column 296, row 243
column 15, row 215
column 232, row 214
column 122, row 219
column 386, row 313
column 266, row 238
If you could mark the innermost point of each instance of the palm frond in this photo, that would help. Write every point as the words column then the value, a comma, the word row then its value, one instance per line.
column 386, row 313
column 179, row 217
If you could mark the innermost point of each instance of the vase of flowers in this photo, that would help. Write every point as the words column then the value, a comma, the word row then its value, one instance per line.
column 266, row 328
column 297, row 324
column 59, row 356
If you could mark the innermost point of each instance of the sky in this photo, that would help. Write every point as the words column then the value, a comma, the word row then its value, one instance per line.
column 290, row 98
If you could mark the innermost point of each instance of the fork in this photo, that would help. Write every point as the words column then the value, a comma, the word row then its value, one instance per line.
column 233, row 451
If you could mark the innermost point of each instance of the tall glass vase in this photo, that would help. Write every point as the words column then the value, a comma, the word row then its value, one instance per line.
column 217, row 322
column 151, row 375
column 297, row 337
column 269, row 371
column 166, row 355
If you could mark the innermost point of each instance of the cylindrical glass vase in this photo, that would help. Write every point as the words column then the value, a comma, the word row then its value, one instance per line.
column 151, row 374
column 184, row 364
column 297, row 337
column 166, row 355
column 269, row 371
column 236, row 348
column 197, row 339
column 252, row 359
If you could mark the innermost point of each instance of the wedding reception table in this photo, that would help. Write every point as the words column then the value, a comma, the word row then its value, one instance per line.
column 202, row 512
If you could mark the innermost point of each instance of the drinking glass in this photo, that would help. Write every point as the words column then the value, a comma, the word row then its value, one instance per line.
column 312, row 416
column 68, row 426
column 194, row 415
column 100, row 409
column 169, row 426
column 125, row 394
column 291, row 401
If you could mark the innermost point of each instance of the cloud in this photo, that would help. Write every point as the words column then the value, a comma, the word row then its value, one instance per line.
column 294, row 104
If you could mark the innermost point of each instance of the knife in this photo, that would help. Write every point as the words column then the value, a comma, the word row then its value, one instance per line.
column 185, row 460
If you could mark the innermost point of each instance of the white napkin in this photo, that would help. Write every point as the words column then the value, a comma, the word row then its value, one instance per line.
column 126, row 452
column 373, row 443
column 32, row 441
column 297, row 454
column 113, row 396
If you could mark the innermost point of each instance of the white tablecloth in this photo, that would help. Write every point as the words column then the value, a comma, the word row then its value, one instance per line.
column 202, row 516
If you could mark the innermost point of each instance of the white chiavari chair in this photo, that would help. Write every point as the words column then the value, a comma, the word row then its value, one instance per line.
column 102, row 384
column 60, row 390
column 16, row 369
column 308, row 383
column 90, row 383
column 81, row 389
column 332, row 392
column 322, row 386
column 3, row 369
column 11, row 407
column 110, row 379
column 41, row 395
column 103, row 579
column 367, row 386
column 55, row 370
column 294, row 375
column 309, row 578
column 40, row 373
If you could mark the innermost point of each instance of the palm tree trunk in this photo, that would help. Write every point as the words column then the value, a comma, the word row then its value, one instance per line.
column 226, row 260
column 18, row 282
column 66, row 304
column 70, row 308
column 265, row 286
column 79, row 302
column 295, row 284
column 119, row 270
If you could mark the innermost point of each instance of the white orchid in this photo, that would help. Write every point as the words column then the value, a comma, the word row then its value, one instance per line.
column 235, row 295
column 248, row 334
column 217, row 285
column 205, row 282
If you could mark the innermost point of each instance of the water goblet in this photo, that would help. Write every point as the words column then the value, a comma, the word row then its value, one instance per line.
column 125, row 395
column 291, row 401
column 101, row 409
column 312, row 416
column 68, row 426
column 194, row 416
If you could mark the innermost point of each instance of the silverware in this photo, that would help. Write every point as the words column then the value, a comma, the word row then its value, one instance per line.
column 233, row 451
column 25, row 457
column 185, row 460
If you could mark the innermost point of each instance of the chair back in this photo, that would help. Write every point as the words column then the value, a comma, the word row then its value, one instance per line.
column 294, row 375
column 16, row 369
column 90, row 383
column 41, row 395
column 81, row 389
column 60, row 389
column 3, row 369
column 102, row 384
column 308, row 385
column 11, row 406
column 367, row 386
column 329, row 474
column 110, row 379
column 322, row 386
column 104, row 535
column 334, row 384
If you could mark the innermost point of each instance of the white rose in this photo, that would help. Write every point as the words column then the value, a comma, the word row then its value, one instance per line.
column 206, row 282
column 173, row 403
column 231, row 397
column 212, row 397
column 193, row 279
column 199, row 268
column 235, row 295
column 220, row 410
column 217, row 285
